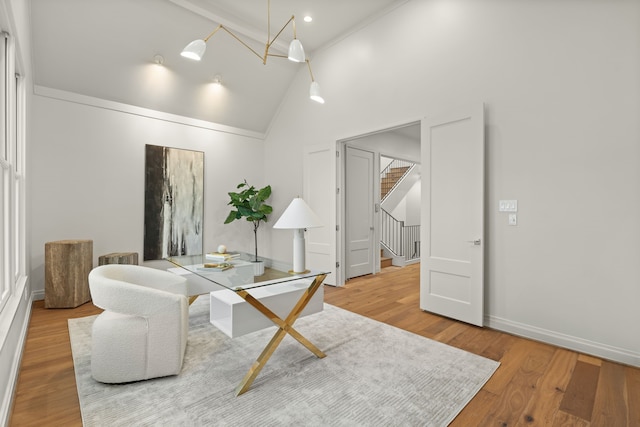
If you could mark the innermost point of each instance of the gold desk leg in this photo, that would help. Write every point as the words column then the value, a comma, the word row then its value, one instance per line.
column 284, row 327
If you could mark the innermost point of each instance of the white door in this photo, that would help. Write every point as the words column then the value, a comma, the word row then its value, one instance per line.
column 452, row 236
column 319, row 191
column 359, row 208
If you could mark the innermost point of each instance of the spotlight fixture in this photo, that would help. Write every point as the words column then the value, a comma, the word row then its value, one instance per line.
column 196, row 49
column 217, row 80
column 158, row 59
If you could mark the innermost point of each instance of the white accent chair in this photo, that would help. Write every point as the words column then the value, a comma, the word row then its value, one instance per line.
column 143, row 331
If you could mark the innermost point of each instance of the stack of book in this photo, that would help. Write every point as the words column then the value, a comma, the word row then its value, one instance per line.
column 222, row 257
column 215, row 267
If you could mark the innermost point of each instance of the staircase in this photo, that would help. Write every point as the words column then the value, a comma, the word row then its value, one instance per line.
column 385, row 261
column 390, row 179
column 397, row 239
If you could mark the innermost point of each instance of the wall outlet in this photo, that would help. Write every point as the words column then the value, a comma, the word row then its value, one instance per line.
column 513, row 219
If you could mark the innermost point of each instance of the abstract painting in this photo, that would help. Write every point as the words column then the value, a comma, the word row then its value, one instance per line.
column 173, row 202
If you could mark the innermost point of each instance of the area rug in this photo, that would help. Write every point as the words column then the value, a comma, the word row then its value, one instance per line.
column 374, row 375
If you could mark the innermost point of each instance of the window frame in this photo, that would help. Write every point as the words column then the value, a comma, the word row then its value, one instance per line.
column 12, row 179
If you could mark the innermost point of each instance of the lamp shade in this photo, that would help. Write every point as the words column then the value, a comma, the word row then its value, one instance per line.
column 194, row 50
column 314, row 92
column 296, row 51
column 298, row 215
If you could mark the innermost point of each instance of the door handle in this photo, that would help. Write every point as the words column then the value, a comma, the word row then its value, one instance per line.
column 475, row 242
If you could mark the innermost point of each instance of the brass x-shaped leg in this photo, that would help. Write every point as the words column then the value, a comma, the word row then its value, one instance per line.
column 284, row 327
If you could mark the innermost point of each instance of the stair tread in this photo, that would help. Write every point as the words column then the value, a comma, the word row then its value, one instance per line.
column 391, row 177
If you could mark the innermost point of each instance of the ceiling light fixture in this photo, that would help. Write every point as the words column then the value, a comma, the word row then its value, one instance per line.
column 314, row 90
column 217, row 80
column 195, row 50
column 158, row 59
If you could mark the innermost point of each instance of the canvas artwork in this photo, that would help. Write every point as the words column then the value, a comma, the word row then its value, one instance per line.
column 173, row 205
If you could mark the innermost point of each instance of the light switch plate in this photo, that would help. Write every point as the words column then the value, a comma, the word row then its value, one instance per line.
column 508, row 206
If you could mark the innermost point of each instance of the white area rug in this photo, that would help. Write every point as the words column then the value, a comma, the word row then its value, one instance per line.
column 374, row 375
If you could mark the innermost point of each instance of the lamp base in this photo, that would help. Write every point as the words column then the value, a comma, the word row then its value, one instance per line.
column 299, row 272
column 298, row 252
column 258, row 268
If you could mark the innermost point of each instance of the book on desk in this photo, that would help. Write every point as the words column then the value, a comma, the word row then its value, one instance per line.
column 221, row 257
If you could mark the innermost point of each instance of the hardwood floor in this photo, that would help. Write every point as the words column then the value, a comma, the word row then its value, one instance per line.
column 46, row 394
column 536, row 384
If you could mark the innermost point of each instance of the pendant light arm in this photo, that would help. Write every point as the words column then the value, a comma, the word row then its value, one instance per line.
column 277, row 55
column 270, row 42
column 243, row 43
column 206, row 39
column 310, row 72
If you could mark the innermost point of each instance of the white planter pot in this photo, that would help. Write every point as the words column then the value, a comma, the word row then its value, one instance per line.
column 258, row 268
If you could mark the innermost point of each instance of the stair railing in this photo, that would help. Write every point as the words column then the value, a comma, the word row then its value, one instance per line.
column 411, row 235
column 399, row 239
column 391, row 234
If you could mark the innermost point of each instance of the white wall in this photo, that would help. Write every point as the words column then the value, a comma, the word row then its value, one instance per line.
column 408, row 210
column 87, row 179
column 391, row 144
column 561, row 85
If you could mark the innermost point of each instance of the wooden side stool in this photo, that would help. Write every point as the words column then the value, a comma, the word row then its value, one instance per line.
column 119, row 258
column 67, row 264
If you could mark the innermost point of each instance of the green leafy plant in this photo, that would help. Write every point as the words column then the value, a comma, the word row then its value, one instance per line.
column 250, row 204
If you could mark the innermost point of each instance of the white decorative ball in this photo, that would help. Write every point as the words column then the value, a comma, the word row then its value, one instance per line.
column 222, row 249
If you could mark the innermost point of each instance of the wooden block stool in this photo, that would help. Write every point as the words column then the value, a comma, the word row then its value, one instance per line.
column 67, row 264
column 119, row 258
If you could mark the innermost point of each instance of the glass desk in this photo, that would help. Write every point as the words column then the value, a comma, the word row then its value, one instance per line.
column 238, row 276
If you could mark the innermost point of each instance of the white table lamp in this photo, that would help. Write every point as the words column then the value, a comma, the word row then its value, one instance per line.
column 298, row 216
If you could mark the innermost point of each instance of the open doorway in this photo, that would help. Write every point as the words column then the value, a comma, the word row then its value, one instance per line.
column 363, row 208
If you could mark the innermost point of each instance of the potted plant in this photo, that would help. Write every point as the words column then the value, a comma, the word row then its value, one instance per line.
column 250, row 204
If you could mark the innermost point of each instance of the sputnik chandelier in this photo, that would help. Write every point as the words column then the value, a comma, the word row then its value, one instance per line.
column 195, row 50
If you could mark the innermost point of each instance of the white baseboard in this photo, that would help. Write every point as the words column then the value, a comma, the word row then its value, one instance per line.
column 16, row 360
column 581, row 345
column 37, row 295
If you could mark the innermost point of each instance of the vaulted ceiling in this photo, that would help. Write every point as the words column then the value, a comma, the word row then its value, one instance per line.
column 106, row 49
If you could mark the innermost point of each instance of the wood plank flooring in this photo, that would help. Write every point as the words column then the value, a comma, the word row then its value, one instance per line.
column 536, row 385
column 46, row 394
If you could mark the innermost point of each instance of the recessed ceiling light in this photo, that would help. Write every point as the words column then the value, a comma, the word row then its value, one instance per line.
column 308, row 18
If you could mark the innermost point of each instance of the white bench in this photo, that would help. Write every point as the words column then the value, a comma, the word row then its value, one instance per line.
column 235, row 317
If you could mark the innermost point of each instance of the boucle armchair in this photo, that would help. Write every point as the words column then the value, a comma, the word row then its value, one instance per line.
column 143, row 330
